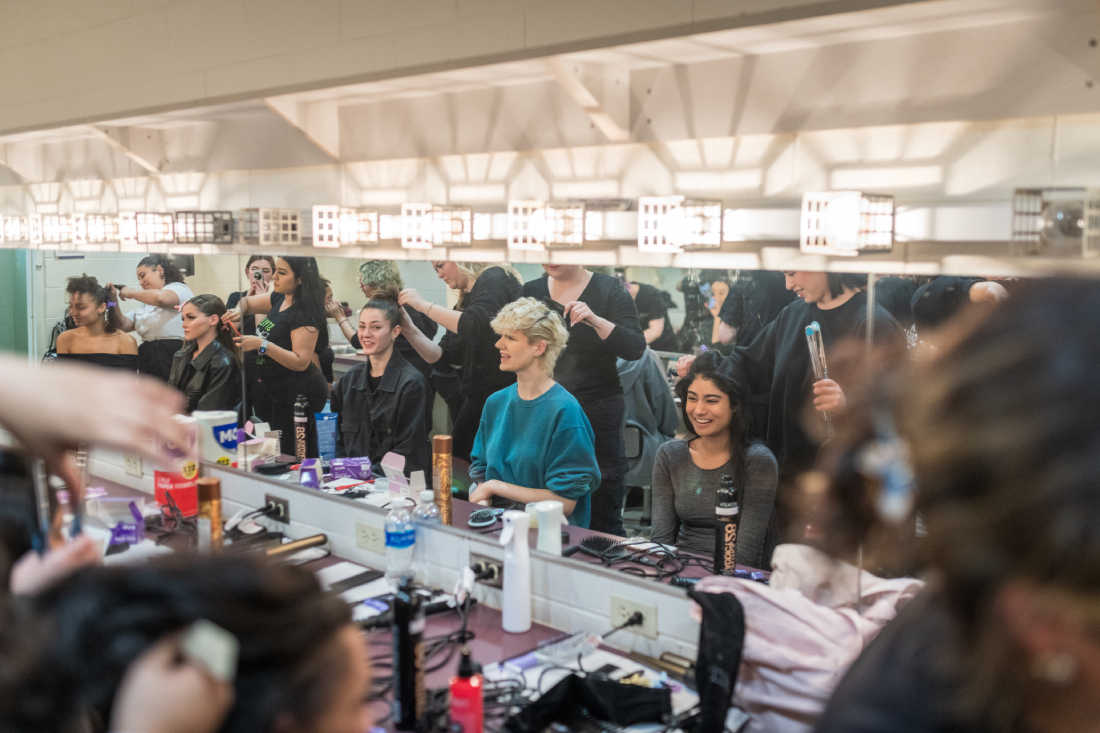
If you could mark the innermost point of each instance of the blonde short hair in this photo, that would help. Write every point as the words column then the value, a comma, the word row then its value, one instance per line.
column 536, row 322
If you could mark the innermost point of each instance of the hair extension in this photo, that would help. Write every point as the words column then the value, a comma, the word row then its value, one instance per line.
column 172, row 272
column 88, row 285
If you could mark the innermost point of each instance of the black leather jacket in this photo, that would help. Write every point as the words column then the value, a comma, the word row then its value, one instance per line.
column 393, row 418
column 212, row 381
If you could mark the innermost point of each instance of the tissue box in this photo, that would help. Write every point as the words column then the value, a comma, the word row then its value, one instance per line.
column 357, row 468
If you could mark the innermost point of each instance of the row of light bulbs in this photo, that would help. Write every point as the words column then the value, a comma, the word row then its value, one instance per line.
column 832, row 223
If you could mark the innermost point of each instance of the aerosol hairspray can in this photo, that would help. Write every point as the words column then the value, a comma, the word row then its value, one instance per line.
column 441, row 475
column 727, row 517
column 301, row 423
column 408, row 656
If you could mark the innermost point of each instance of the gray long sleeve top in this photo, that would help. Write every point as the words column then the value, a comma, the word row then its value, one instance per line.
column 683, row 501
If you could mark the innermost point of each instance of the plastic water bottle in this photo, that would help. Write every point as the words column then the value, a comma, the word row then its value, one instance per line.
column 400, row 543
column 426, row 510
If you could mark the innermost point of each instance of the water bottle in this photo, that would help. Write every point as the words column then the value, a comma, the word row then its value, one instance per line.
column 426, row 510
column 400, row 543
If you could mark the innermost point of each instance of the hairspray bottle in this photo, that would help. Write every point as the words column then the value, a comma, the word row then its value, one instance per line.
column 727, row 516
column 441, row 475
column 301, row 423
column 408, row 656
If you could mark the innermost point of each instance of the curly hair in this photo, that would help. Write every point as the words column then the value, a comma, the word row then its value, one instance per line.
column 87, row 285
column 172, row 272
column 537, row 322
column 380, row 274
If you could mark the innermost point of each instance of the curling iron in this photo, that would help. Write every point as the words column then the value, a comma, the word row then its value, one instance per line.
column 817, row 359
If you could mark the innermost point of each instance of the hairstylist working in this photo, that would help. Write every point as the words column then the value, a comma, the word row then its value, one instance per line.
column 534, row 442
column 603, row 325
column 157, row 319
column 383, row 405
column 207, row 369
column 258, row 272
column 289, row 343
column 484, row 290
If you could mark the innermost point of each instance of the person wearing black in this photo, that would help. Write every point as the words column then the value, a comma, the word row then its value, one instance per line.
column 895, row 294
column 935, row 303
column 207, row 369
column 289, row 343
column 483, row 290
column 258, row 270
column 653, row 305
column 698, row 325
column 383, row 404
column 778, row 361
column 754, row 301
column 603, row 326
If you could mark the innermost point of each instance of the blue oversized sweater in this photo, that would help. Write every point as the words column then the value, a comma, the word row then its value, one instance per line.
column 544, row 443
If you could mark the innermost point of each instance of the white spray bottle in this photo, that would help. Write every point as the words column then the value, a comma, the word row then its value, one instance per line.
column 550, row 514
column 516, row 603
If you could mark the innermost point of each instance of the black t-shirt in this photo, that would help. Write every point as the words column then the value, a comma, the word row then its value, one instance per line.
column 481, row 374
column 935, row 302
column 278, row 326
column 587, row 367
column 754, row 301
column 427, row 326
column 373, row 381
column 248, row 323
column 778, row 364
column 651, row 305
column 895, row 294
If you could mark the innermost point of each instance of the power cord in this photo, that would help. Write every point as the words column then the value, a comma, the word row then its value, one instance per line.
column 635, row 619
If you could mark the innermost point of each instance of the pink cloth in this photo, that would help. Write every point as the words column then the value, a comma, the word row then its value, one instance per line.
column 803, row 631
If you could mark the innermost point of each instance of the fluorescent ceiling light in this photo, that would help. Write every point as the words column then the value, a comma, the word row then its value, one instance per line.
column 198, row 227
column 326, row 226
column 358, row 226
column 416, row 226
column 154, row 227
column 846, row 222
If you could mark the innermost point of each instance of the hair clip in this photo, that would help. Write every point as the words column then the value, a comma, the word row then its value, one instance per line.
column 112, row 304
column 182, row 303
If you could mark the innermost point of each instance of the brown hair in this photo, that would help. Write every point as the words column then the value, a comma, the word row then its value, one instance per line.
column 172, row 272
column 212, row 305
column 385, row 300
column 88, row 285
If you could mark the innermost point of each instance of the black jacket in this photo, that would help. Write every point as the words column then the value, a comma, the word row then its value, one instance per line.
column 394, row 418
column 212, row 381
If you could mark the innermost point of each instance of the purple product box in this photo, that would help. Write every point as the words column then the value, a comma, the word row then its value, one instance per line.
column 356, row 468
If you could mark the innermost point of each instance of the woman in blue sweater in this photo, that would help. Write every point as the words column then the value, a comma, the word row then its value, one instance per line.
column 534, row 441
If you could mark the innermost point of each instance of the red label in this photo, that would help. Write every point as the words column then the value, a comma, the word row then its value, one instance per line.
column 183, row 490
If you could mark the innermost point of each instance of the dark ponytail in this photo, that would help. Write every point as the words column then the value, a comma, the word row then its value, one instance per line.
column 309, row 298
column 212, row 305
column 385, row 300
column 88, row 285
column 172, row 272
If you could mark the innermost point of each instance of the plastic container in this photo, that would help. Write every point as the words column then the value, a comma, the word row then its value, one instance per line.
column 400, row 543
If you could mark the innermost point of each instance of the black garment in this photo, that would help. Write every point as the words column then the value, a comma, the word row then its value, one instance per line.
column 466, row 423
column 427, row 326
column 211, row 381
column 606, row 417
column 327, row 358
column 935, row 302
column 653, row 304
column 755, row 300
column 778, row 363
column 127, row 362
column 895, row 294
column 587, row 367
column 155, row 357
column 906, row 680
column 481, row 374
column 384, row 414
column 259, row 402
column 698, row 321
column 248, row 323
column 284, row 385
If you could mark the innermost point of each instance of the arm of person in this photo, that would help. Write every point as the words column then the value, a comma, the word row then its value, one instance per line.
column 654, row 330
column 160, row 298
column 251, row 306
column 440, row 314
column 663, row 498
column 429, row 351
column 522, row 494
column 223, row 391
column 411, row 432
column 620, row 330
column 761, row 480
column 64, row 342
column 124, row 321
column 303, row 341
column 335, row 311
column 988, row 292
column 727, row 334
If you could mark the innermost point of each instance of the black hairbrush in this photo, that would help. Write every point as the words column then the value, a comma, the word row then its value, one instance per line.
column 483, row 518
column 599, row 547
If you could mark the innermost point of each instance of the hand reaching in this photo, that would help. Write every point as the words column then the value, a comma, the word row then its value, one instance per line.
column 33, row 572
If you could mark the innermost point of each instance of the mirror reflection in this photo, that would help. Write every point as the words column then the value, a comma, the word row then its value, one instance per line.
column 637, row 398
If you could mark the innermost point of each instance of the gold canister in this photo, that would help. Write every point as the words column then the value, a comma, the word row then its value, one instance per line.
column 441, row 475
column 210, row 514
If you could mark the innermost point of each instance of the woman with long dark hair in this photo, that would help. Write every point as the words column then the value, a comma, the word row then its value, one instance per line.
column 208, row 368
column 258, row 271
column 157, row 319
column 714, row 399
column 289, row 343
column 97, row 338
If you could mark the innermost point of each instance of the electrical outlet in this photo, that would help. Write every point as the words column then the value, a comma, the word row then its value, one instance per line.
column 281, row 508
column 624, row 608
column 370, row 538
column 132, row 464
column 495, row 567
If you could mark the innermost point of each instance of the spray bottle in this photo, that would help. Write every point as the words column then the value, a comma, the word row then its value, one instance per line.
column 516, row 601
column 727, row 518
column 550, row 515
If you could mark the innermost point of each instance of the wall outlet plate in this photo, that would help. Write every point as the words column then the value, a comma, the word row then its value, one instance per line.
column 281, row 508
column 370, row 538
column 492, row 564
column 623, row 608
column 132, row 465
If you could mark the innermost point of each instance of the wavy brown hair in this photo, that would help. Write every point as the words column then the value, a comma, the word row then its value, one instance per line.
column 87, row 285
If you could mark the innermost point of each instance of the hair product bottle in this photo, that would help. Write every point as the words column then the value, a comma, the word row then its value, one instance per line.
column 301, row 424
column 441, row 475
column 467, row 706
column 727, row 516
column 210, row 514
column 516, row 598
column 408, row 656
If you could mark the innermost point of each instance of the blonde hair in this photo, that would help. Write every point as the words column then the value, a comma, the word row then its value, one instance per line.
column 473, row 270
column 536, row 322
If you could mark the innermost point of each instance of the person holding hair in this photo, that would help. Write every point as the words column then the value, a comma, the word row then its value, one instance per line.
column 301, row 666
column 778, row 364
column 534, row 441
column 208, row 368
column 483, row 290
column 653, row 305
column 157, row 320
column 603, row 326
column 289, row 343
column 258, row 272
column 383, row 405
column 714, row 400
column 98, row 337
